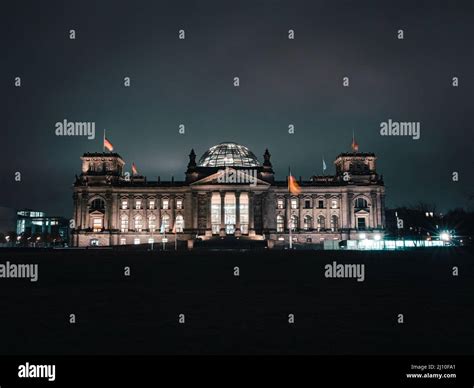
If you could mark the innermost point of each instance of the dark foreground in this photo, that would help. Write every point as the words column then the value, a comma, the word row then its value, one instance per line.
column 238, row 315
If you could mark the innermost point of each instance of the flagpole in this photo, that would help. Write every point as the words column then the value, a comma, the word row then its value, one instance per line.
column 289, row 221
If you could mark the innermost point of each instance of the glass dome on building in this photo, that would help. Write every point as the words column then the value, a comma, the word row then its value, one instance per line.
column 228, row 154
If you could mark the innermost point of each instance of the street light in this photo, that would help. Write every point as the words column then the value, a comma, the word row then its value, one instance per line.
column 445, row 236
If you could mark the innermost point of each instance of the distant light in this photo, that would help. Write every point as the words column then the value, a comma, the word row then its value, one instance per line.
column 377, row 237
column 38, row 238
column 362, row 236
column 445, row 236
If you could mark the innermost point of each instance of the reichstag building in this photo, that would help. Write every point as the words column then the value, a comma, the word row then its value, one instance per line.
column 227, row 192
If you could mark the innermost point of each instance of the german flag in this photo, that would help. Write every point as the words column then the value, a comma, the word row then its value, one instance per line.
column 108, row 145
column 354, row 145
column 293, row 186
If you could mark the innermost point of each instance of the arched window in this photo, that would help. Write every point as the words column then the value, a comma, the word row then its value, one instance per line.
column 165, row 223
column 321, row 223
column 360, row 203
column 124, row 223
column 308, row 222
column 280, row 224
column 138, row 223
column 179, row 224
column 152, row 223
column 334, row 223
column 293, row 222
column 97, row 204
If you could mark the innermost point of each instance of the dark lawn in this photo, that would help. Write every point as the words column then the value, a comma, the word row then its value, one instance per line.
column 235, row 315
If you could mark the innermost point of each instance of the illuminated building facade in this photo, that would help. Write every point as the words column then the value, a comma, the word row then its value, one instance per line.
column 31, row 222
column 228, row 192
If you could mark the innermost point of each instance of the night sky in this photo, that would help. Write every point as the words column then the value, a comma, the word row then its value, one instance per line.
column 283, row 82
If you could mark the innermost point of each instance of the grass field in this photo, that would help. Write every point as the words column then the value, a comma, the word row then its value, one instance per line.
column 116, row 314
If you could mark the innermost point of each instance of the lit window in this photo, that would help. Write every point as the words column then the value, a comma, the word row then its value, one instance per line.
column 97, row 224
column 138, row 224
column 244, row 213
column 124, row 205
column 151, row 240
column 215, row 212
column 179, row 224
column 280, row 224
column 179, row 204
column 152, row 204
column 321, row 222
column 165, row 223
column 334, row 204
column 138, row 204
column 152, row 223
column 123, row 241
column 280, row 204
column 136, row 241
column 124, row 224
column 293, row 222
column 294, row 203
column 165, row 204
column 308, row 222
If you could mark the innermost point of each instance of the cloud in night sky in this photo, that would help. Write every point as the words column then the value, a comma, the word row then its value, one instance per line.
column 282, row 82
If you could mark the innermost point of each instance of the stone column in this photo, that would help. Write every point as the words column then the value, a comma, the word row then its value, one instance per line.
column 350, row 213
column 115, row 212
column 172, row 210
column 237, row 213
column 85, row 212
column 222, row 227
column 77, row 209
column 382, row 209
column 314, row 203
column 300, row 212
column 208, row 221
column 373, row 209
column 158, row 212
column 194, row 210
column 251, row 218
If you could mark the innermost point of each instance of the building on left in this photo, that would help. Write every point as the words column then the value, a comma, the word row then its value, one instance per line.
column 38, row 223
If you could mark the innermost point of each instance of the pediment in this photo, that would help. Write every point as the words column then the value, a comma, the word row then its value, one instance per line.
column 361, row 212
column 231, row 176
